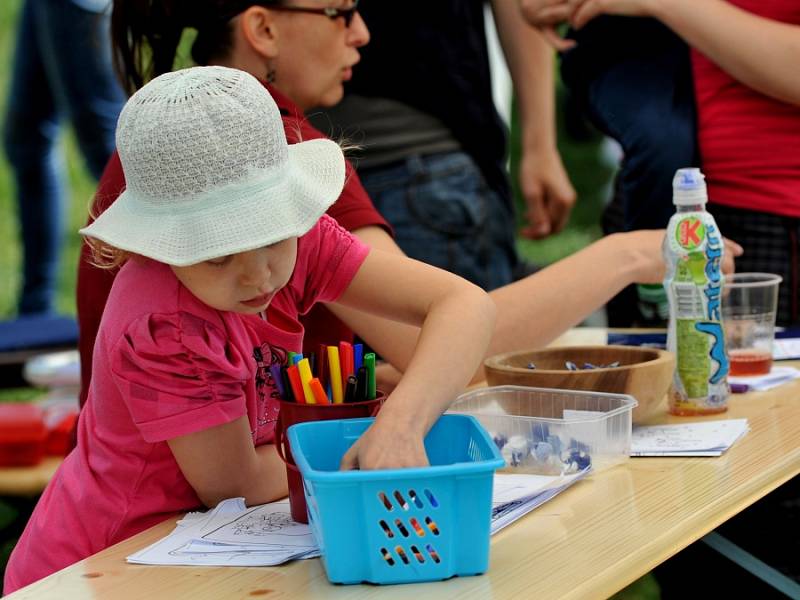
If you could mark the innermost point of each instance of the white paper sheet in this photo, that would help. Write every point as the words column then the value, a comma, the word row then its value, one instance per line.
column 709, row 438
column 234, row 535
column 759, row 383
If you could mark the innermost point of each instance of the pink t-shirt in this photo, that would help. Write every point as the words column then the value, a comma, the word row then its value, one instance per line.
column 166, row 365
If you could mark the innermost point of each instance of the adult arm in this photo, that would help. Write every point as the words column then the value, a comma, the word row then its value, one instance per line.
column 546, row 188
column 761, row 53
column 206, row 458
column 534, row 311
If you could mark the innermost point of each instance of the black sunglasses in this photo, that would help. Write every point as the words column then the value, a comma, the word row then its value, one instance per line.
column 332, row 13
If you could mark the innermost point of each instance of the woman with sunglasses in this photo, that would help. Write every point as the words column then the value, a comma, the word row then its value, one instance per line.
column 303, row 53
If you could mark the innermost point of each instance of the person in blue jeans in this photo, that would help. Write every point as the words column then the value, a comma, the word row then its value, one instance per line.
column 433, row 148
column 62, row 71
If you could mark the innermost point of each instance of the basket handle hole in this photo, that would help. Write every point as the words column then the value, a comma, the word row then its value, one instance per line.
column 417, row 554
column 385, row 501
column 386, row 529
column 402, row 554
column 432, row 526
column 415, row 498
column 401, row 527
column 400, row 500
column 417, row 527
column 434, row 555
column 387, row 557
column 432, row 499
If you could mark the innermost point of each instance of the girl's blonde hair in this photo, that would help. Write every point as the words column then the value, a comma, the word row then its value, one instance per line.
column 104, row 255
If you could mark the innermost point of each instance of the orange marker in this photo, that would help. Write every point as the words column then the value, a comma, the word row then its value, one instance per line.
column 319, row 394
column 297, row 387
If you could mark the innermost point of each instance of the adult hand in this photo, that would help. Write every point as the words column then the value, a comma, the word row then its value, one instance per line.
column 586, row 10
column 386, row 445
column 546, row 15
column 645, row 244
column 548, row 194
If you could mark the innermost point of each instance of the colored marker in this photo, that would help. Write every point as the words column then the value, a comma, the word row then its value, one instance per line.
column 305, row 379
column 296, row 384
column 369, row 363
column 350, row 390
column 346, row 360
column 275, row 370
column 358, row 357
column 322, row 365
column 297, row 358
column 319, row 394
column 335, row 374
column 287, row 387
column 362, row 385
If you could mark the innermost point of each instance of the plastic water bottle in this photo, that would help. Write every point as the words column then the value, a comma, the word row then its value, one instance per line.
column 693, row 250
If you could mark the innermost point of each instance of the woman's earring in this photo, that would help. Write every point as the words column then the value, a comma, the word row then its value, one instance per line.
column 270, row 74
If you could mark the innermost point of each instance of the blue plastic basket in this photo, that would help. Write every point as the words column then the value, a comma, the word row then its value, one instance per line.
column 399, row 525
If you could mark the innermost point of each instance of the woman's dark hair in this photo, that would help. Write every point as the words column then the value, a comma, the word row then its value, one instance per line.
column 145, row 34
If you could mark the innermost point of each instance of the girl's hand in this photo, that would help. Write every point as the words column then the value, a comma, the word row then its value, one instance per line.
column 386, row 445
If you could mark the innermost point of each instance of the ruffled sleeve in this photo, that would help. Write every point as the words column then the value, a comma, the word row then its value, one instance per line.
column 178, row 374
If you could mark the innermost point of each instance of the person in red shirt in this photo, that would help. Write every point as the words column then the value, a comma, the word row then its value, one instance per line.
column 744, row 57
column 303, row 68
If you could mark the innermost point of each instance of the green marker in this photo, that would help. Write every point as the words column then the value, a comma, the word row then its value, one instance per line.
column 369, row 362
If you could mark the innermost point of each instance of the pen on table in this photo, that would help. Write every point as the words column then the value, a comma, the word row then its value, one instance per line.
column 369, row 363
column 275, row 370
column 335, row 372
column 305, row 379
column 296, row 384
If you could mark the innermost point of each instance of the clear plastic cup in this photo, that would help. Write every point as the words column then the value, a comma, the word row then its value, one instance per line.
column 748, row 313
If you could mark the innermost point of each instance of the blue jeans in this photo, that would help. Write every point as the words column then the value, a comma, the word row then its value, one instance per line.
column 62, row 70
column 444, row 214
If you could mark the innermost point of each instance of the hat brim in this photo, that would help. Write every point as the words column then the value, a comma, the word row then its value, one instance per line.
column 261, row 211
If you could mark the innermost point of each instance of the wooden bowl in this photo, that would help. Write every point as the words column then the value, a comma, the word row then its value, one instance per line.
column 644, row 373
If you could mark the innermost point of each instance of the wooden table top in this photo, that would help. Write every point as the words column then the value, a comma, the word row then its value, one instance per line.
column 28, row 481
column 589, row 542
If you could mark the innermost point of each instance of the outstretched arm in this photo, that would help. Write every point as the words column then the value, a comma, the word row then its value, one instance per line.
column 534, row 311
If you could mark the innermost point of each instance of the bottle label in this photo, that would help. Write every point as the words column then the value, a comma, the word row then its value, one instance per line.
column 694, row 251
column 690, row 233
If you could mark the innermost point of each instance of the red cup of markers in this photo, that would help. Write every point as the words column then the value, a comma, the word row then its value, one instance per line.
column 293, row 412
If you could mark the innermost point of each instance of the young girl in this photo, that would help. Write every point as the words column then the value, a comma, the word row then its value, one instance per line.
column 222, row 226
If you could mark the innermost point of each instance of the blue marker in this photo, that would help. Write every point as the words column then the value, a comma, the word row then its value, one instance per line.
column 297, row 358
column 358, row 357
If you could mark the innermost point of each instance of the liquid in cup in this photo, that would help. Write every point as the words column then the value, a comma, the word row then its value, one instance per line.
column 748, row 311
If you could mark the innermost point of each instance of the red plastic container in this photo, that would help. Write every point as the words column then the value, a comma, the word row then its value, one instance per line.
column 22, row 435
column 291, row 413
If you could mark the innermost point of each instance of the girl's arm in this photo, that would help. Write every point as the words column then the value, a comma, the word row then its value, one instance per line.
column 205, row 458
column 456, row 320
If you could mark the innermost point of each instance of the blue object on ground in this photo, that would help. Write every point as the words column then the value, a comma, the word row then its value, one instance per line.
column 38, row 332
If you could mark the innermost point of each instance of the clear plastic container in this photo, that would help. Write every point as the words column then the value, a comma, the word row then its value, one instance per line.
column 550, row 432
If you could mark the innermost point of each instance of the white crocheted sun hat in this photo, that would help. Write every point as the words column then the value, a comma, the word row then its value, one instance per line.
column 209, row 172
